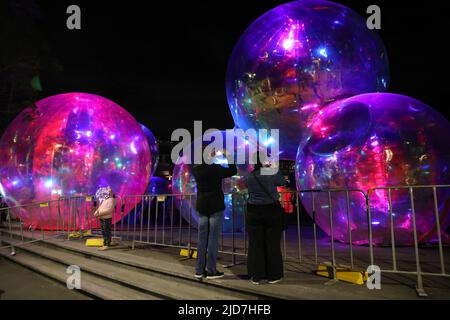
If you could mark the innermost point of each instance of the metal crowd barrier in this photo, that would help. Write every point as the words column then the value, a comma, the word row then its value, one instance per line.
column 168, row 220
column 438, row 216
column 58, row 218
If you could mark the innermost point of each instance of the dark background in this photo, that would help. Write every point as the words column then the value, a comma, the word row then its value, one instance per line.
column 165, row 61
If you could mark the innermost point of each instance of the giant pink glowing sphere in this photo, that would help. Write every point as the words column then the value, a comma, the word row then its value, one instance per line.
column 69, row 145
column 377, row 140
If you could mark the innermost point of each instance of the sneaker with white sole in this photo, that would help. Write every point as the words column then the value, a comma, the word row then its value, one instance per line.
column 216, row 275
column 275, row 281
column 200, row 275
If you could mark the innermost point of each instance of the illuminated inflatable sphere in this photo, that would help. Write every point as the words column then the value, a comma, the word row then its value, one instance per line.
column 70, row 145
column 377, row 140
column 184, row 186
column 144, row 206
column 159, row 185
column 153, row 145
column 296, row 58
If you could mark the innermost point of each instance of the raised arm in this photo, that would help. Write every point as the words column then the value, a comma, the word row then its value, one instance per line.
column 227, row 172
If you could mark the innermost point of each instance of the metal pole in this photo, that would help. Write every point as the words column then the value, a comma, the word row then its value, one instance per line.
column 171, row 220
column 76, row 219
column 149, row 210
column 124, row 204
column 245, row 227
column 164, row 219
column 189, row 227
column 42, row 225
column 284, row 232
column 314, row 227
column 59, row 216
column 299, row 244
column 369, row 223
column 135, row 216
column 89, row 216
column 21, row 228
column 391, row 218
column 13, row 252
column 233, row 249
column 333, row 260
column 179, row 225
column 142, row 217
column 69, row 218
column 9, row 223
column 349, row 222
column 420, row 289
column 438, row 226
column 83, row 217
column 62, row 215
column 156, row 220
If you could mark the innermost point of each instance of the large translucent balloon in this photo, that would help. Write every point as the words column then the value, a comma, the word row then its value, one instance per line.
column 70, row 145
column 376, row 140
column 183, row 184
column 296, row 58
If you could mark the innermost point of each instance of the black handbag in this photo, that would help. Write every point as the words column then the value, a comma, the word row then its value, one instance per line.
column 278, row 207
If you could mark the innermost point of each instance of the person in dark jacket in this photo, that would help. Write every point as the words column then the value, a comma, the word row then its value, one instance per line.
column 210, row 206
column 264, row 226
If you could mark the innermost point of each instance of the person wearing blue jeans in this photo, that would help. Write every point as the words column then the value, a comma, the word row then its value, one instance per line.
column 210, row 206
column 209, row 230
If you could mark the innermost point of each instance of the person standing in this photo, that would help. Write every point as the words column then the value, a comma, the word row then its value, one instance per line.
column 264, row 224
column 210, row 207
column 104, row 213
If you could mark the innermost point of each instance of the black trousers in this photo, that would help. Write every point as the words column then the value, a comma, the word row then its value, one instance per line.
column 106, row 231
column 264, row 227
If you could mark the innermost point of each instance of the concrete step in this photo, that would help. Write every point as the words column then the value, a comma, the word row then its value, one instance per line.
column 92, row 285
column 169, row 287
column 238, row 290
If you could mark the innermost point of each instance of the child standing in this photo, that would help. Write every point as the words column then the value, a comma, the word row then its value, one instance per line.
column 104, row 213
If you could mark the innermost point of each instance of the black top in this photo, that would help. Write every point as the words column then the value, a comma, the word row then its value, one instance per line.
column 210, row 197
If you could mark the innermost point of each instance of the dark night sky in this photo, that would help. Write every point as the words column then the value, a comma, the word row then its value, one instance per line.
column 166, row 62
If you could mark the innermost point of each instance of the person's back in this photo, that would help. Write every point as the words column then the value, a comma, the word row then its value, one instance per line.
column 257, row 195
column 210, row 197
column 210, row 207
column 106, row 208
column 264, row 225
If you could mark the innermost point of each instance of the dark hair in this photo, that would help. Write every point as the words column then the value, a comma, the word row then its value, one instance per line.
column 258, row 159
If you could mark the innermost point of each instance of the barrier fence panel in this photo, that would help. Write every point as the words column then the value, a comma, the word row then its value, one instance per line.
column 53, row 219
column 401, row 229
column 417, row 218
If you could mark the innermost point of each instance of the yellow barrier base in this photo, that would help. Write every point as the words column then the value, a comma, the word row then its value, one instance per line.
column 342, row 273
column 94, row 242
column 77, row 234
column 185, row 253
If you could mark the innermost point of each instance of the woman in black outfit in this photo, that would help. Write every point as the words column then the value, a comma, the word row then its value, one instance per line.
column 264, row 226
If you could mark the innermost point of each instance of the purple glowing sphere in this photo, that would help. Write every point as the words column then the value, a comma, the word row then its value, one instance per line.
column 377, row 140
column 154, row 148
column 70, row 145
column 295, row 59
column 159, row 185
